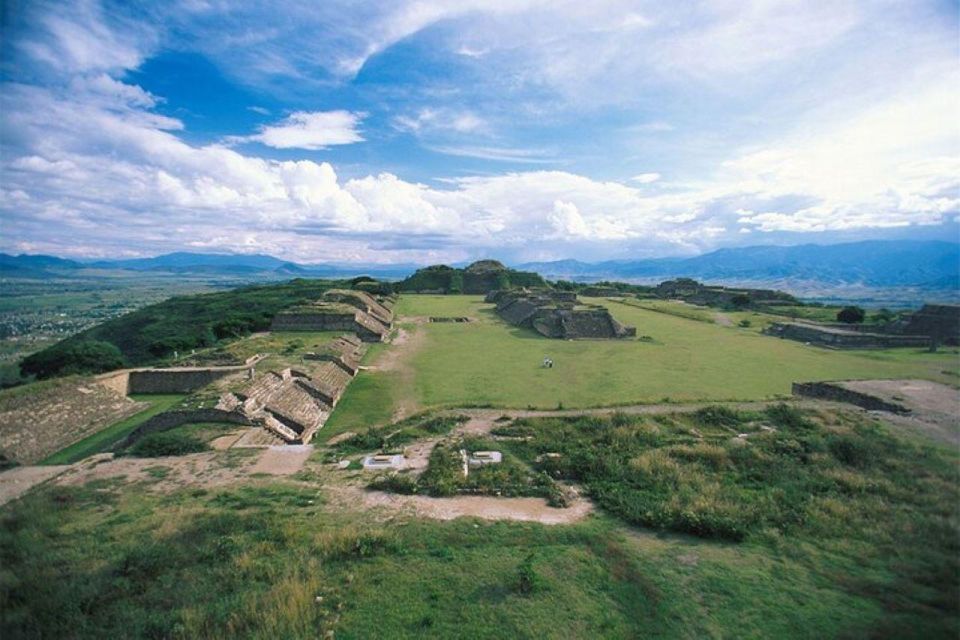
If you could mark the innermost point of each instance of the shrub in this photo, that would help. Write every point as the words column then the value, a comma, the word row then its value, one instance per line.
column 527, row 579
column 156, row 445
column 395, row 483
column 744, row 323
column 788, row 417
column 717, row 416
column 851, row 315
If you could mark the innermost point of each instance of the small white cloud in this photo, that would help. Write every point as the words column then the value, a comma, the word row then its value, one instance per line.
column 646, row 178
column 309, row 130
column 441, row 120
column 260, row 110
column 503, row 154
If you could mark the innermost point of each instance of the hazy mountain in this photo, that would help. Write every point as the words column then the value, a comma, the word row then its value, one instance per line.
column 878, row 263
column 888, row 263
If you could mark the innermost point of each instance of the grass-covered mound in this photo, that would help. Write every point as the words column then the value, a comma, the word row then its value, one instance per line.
column 786, row 478
column 395, row 436
column 478, row 278
column 179, row 324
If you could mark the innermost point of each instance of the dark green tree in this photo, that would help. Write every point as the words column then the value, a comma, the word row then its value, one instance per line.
column 851, row 315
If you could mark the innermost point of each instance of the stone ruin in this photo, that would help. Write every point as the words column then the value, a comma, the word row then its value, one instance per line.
column 557, row 314
column 842, row 336
column 938, row 321
column 369, row 317
column 293, row 404
column 933, row 324
column 694, row 292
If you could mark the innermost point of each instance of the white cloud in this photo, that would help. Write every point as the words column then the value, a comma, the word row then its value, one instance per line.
column 428, row 119
column 646, row 178
column 310, row 130
column 500, row 154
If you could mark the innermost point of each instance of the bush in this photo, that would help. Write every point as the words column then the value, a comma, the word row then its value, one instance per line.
column 395, row 483
column 851, row 315
column 527, row 579
column 744, row 323
column 156, row 445
column 787, row 417
column 717, row 416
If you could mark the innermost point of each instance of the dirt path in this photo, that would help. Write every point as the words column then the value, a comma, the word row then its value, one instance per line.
column 17, row 481
column 723, row 320
column 396, row 360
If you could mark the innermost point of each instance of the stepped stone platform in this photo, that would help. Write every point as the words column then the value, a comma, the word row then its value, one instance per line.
column 293, row 405
column 557, row 314
column 369, row 317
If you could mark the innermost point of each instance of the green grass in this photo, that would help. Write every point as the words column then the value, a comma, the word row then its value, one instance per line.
column 104, row 439
column 368, row 400
column 874, row 555
column 491, row 363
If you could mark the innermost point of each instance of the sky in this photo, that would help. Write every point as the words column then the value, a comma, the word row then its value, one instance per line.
column 431, row 131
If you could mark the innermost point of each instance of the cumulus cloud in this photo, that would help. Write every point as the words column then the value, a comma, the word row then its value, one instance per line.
column 309, row 130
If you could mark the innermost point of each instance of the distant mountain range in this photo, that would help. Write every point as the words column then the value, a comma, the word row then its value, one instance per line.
column 254, row 267
column 880, row 263
column 889, row 263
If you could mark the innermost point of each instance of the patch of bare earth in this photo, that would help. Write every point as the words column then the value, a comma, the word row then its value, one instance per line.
column 206, row 470
column 396, row 360
column 483, row 507
column 283, row 460
column 934, row 408
column 17, row 481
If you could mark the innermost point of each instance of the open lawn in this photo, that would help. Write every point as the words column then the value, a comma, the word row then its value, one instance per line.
column 102, row 440
column 491, row 363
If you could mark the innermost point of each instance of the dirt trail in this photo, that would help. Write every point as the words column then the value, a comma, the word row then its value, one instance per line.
column 723, row 320
column 396, row 360
column 17, row 481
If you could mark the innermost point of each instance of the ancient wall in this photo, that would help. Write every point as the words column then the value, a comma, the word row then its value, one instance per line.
column 118, row 381
column 171, row 419
column 175, row 380
column 836, row 392
column 842, row 338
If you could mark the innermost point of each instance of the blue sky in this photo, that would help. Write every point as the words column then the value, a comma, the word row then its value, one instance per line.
column 432, row 131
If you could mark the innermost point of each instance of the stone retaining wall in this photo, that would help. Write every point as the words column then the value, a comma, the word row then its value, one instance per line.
column 171, row 419
column 836, row 392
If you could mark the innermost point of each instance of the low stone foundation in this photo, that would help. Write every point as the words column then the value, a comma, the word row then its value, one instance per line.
column 842, row 338
column 836, row 392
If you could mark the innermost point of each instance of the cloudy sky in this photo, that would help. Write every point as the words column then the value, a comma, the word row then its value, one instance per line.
column 426, row 131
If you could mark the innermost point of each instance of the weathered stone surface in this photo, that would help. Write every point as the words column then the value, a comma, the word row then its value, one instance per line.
column 556, row 314
column 842, row 338
column 37, row 424
column 340, row 310
column 939, row 321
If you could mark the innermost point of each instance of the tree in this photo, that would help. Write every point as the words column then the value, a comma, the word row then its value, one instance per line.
column 456, row 282
column 740, row 300
column 86, row 356
column 851, row 315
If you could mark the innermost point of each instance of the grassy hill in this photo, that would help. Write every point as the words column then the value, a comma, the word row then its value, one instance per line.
column 182, row 323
